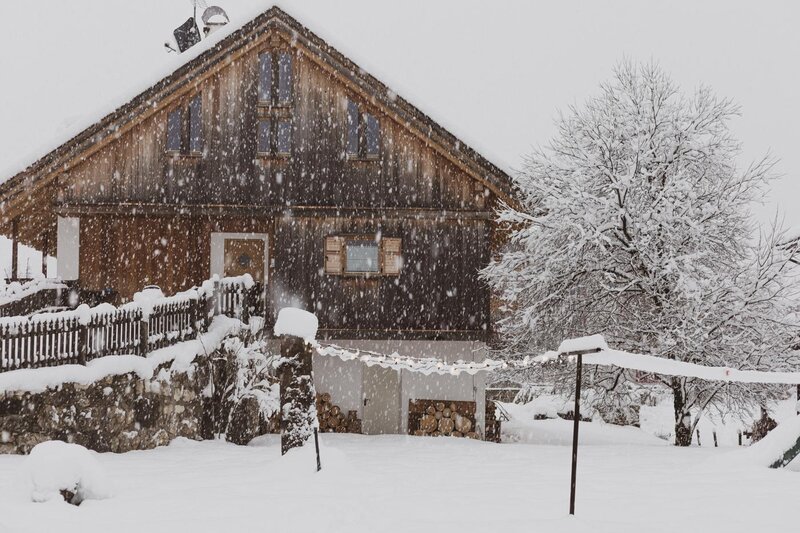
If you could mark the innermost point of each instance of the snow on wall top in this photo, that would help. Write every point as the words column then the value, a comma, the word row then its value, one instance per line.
column 112, row 52
column 293, row 321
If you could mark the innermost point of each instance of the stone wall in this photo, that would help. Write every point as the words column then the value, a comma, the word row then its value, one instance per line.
column 118, row 413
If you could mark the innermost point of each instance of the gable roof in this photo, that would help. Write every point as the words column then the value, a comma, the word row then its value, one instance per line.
column 218, row 48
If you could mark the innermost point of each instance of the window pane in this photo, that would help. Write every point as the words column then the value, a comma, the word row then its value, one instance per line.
column 362, row 256
column 285, row 78
column 284, row 137
column 174, row 122
column 264, row 136
column 373, row 134
column 265, row 77
column 352, row 128
column 195, row 125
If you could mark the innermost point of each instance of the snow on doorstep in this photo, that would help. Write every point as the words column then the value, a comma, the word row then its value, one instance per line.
column 293, row 321
column 54, row 466
column 583, row 344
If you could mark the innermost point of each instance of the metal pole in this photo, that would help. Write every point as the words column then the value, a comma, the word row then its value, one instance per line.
column 575, row 426
column 316, row 445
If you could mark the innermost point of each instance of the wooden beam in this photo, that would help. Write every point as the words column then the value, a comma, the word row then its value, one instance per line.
column 252, row 211
column 14, row 247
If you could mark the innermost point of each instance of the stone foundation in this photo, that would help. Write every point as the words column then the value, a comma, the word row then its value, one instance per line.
column 115, row 414
column 120, row 413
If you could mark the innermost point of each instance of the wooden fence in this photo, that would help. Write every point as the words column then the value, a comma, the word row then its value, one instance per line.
column 83, row 334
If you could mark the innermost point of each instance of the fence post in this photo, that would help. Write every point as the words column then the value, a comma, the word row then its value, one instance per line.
column 217, row 298
column 144, row 335
column 83, row 343
column 245, row 305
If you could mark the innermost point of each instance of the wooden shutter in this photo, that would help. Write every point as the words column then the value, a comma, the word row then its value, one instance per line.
column 334, row 263
column 392, row 248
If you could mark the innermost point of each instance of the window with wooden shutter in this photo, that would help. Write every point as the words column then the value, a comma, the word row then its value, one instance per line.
column 333, row 255
column 392, row 255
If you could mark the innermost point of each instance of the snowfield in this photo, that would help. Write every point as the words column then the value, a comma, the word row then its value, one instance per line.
column 398, row 483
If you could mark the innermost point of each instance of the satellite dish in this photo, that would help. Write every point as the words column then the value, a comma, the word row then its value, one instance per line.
column 214, row 16
column 187, row 34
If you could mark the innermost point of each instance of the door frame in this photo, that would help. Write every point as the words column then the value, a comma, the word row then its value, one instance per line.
column 218, row 251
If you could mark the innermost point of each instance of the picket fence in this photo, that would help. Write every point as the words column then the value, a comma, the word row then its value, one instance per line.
column 79, row 335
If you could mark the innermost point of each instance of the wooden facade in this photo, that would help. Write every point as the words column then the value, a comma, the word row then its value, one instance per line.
column 148, row 215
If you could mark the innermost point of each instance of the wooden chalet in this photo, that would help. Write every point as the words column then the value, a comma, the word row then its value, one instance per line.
column 272, row 154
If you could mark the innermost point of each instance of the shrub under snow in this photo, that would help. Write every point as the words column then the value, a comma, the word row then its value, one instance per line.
column 56, row 469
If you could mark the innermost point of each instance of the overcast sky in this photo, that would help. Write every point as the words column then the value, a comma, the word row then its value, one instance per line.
column 495, row 73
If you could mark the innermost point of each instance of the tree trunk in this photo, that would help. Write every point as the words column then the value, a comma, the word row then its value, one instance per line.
column 683, row 418
column 298, row 410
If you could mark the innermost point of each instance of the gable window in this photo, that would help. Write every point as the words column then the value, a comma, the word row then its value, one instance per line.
column 185, row 128
column 274, row 137
column 195, row 125
column 275, row 78
column 363, row 133
column 363, row 255
column 174, row 130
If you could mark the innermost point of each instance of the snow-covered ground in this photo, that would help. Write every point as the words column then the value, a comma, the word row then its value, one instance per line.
column 398, row 483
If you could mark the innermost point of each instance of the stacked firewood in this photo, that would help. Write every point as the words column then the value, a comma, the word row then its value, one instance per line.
column 441, row 419
column 333, row 420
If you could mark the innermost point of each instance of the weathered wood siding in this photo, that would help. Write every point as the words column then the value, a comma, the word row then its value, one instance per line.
column 438, row 288
column 136, row 167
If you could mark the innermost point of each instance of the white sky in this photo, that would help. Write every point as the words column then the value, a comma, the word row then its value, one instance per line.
column 495, row 73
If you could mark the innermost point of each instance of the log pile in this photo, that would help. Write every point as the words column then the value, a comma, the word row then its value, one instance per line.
column 332, row 418
column 440, row 418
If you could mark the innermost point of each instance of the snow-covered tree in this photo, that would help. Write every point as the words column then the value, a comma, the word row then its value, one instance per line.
column 634, row 222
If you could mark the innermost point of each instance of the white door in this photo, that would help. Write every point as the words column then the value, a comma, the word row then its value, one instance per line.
column 381, row 400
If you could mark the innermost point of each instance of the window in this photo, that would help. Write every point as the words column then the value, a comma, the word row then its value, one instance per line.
column 185, row 128
column 195, row 125
column 354, row 255
column 284, row 78
column 363, row 133
column 265, row 77
column 275, row 78
column 274, row 137
column 361, row 257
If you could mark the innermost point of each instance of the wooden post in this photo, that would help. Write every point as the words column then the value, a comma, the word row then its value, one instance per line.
column 316, row 445
column 296, row 393
column 245, row 305
column 575, row 427
column 144, row 335
column 44, row 253
column 83, row 344
column 14, row 248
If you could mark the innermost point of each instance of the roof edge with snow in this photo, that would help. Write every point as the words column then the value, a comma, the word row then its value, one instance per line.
column 59, row 158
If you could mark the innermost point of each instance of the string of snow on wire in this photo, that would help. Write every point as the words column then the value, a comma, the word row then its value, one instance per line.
column 604, row 357
column 426, row 365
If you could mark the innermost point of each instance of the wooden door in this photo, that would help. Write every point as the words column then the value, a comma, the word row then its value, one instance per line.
column 244, row 256
column 381, row 400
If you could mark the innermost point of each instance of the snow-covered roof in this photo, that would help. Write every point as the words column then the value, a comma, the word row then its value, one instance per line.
column 100, row 118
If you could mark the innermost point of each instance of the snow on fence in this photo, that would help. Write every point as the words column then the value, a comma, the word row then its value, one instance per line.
column 149, row 322
column 22, row 298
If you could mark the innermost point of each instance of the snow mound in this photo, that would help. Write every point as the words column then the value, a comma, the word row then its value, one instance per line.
column 777, row 442
column 293, row 321
column 56, row 466
column 558, row 432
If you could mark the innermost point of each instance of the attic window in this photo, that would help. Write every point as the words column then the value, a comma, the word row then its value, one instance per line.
column 363, row 133
column 274, row 137
column 185, row 128
column 275, row 78
column 363, row 255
